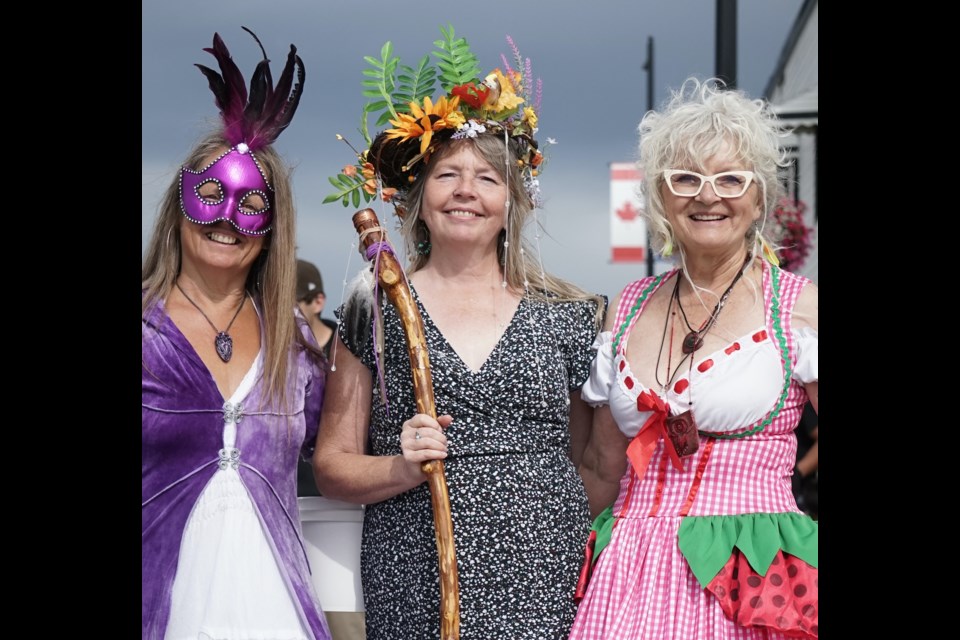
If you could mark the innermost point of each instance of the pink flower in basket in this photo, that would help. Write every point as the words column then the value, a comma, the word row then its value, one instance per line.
column 789, row 233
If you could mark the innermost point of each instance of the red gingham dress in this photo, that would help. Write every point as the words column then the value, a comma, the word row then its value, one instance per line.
column 642, row 586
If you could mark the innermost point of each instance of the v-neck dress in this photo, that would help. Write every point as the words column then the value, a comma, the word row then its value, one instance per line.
column 519, row 509
column 222, row 547
column 718, row 549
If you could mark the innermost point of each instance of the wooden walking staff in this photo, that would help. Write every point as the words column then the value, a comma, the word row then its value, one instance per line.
column 391, row 279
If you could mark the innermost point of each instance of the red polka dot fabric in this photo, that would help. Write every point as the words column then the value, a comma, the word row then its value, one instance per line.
column 785, row 600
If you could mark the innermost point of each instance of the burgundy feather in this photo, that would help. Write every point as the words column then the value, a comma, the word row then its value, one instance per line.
column 281, row 102
column 259, row 121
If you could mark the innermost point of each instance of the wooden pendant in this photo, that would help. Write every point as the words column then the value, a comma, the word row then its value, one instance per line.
column 682, row 431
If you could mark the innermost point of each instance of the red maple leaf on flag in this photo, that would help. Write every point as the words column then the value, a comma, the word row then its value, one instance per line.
column 628, row 212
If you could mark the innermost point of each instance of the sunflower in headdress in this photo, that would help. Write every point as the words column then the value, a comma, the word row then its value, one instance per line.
column 421, row 123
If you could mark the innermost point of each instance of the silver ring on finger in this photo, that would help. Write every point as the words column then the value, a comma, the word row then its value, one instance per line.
column 417, row 435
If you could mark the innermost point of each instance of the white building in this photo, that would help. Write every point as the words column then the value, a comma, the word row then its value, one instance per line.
column 793, row 92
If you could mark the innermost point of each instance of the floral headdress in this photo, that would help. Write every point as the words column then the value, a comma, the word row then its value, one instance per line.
column 503, row 102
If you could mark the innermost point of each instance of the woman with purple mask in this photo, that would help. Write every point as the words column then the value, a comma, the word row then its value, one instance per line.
column 232, row 381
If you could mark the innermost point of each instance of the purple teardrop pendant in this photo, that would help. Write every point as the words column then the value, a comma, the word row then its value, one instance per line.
column 224, row 345
column 691, row 342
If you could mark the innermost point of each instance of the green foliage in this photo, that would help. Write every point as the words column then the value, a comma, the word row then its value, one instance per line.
column 458, row 65
column 390, row 88
column 380, row 84
column 349, row 189
column 413, row 85
column 393, row 92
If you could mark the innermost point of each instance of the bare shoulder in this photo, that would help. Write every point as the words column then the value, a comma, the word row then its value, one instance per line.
column 806, row 311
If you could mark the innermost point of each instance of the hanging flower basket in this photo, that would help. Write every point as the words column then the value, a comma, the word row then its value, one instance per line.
column 789, row 233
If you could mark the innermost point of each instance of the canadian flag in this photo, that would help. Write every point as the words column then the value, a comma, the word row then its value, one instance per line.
column 628, row 229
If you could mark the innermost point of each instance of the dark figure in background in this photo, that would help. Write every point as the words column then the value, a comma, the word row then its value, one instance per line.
column 805, row 476
column 311, row 300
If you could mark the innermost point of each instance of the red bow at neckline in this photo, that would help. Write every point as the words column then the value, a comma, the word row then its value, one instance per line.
column 641, row 447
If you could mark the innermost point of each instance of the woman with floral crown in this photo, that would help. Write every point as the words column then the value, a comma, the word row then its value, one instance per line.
column 509, row 347
column 232, row 382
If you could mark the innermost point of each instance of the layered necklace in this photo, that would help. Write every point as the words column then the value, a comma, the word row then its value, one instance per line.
column 682, row 428
column 223, row 343
column 694, row 338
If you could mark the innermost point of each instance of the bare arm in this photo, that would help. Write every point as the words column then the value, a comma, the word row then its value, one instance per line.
column 581, row 417
column 604, row 458
column 604, row 461
column 810, row 461
column 806, row 311
column 342, row 468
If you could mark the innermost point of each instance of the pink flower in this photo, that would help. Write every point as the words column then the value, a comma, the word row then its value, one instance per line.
column 790, row 234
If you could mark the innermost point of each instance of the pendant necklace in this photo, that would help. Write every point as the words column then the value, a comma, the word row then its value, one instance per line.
column 223, row 342
column 671, row 314
column 694, row 340
column 681, row 428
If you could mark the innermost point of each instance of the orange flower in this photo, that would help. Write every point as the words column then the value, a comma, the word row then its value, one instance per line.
column 421, row 123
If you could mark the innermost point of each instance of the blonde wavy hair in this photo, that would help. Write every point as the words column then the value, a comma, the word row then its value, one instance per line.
column 697, row 122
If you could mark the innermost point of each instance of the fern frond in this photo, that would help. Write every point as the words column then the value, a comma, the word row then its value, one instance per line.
column 348, row 189
column 413, row 85
column 379, row 83
column 458, row 64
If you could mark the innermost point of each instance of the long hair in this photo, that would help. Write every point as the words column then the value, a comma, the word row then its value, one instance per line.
column 697, row 122
column 273, row 275
column 519, row 267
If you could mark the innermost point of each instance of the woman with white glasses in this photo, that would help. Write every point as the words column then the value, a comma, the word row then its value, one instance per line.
column 700, row 378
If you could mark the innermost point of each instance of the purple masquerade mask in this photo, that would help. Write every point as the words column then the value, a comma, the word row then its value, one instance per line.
column 232, row 188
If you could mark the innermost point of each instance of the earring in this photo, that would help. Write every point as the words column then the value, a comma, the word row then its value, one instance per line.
column 424, row 246
column 667, row 248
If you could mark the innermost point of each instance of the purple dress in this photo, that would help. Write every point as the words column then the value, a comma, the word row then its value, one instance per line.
column 182, row 433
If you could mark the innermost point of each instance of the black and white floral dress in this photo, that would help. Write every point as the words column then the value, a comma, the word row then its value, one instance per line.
column 520, row 514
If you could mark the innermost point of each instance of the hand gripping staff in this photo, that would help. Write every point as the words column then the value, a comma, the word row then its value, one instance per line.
column 390, row 275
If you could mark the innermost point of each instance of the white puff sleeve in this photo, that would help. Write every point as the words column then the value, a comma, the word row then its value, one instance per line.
column 808, row 360
column 596, row 390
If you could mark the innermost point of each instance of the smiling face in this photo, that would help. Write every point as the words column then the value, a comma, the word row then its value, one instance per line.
column 219, row 244
column 707, row 223
column 463, row 199
column 232, row 187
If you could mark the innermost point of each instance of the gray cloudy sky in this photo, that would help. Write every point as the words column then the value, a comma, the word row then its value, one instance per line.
column 589, row 54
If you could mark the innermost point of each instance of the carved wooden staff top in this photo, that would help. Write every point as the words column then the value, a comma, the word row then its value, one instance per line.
column 390, row 276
